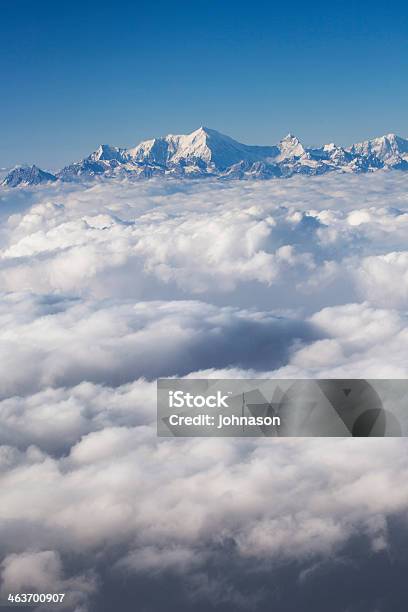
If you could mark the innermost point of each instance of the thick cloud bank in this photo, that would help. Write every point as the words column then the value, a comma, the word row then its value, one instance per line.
column 106, row 287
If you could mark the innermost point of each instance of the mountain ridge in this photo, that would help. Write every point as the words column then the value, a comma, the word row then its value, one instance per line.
column 207, row 152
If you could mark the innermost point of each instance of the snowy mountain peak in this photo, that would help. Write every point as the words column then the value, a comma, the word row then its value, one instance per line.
column 155, row 150
column 205, row 131
column 389, row 149
column 27, row 175
column 207, row 152
column 290, row 147
column 203, row 148
column 193, row 146
column 106, row 152
column 290, row 138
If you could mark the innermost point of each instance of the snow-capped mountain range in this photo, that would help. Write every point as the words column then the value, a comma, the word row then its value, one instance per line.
column 206, row 152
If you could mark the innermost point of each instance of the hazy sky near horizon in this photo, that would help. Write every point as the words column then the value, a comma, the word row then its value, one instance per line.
column 79, row 74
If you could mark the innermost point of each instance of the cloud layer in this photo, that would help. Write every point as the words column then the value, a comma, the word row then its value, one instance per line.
column 109, row 286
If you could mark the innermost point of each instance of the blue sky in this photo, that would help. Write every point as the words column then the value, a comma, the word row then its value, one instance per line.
column 76, row 74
